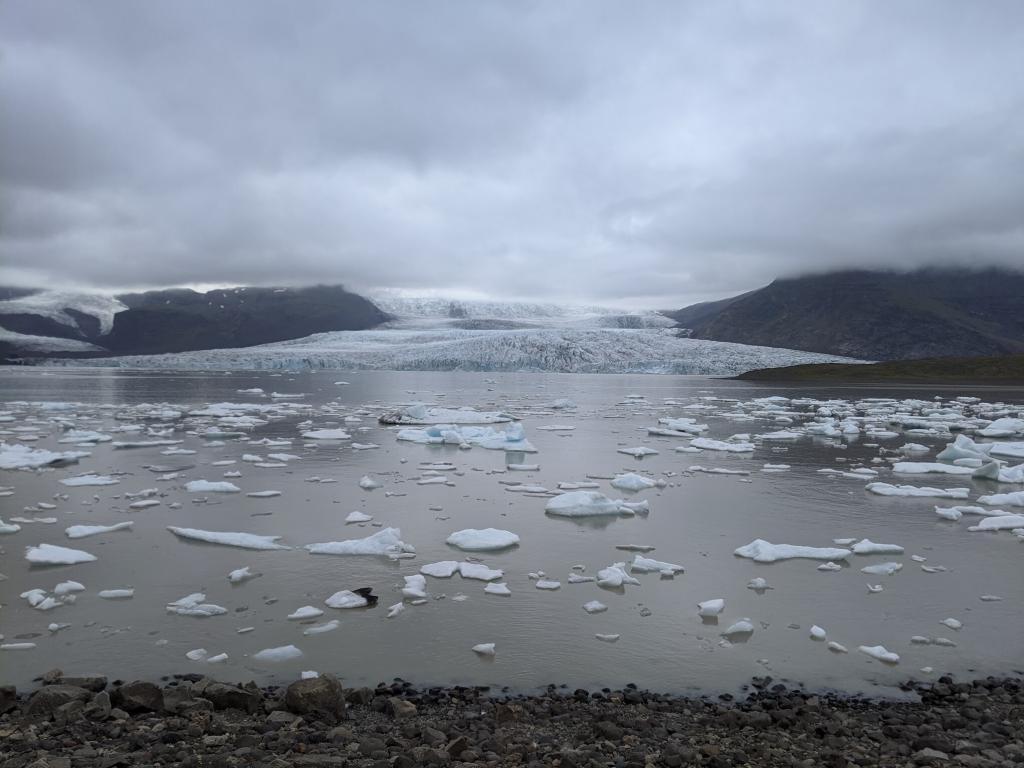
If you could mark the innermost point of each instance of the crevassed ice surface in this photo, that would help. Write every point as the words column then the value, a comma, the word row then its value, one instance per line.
column 697, row 520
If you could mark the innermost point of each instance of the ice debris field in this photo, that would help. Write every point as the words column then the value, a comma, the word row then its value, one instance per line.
column 195, row 534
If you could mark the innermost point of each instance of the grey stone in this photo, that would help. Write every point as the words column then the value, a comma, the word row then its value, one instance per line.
column 49, row 698
column 322, row 694
column 139, row 696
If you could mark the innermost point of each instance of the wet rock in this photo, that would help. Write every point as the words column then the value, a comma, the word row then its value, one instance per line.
column 227, row 696
column 95, row 683
column 8, row 698
column 47, row 699
column 400, row 708
column 138, row 696
column 320, row 695
column 929, row 756
column 99, row 708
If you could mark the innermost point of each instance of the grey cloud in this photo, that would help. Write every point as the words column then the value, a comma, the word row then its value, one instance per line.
column 655, row 154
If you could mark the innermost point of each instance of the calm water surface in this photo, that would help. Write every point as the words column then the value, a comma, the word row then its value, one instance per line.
column 697, row 520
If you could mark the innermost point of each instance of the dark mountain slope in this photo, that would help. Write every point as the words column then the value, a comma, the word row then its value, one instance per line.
column 183, row 320
column 875, row 315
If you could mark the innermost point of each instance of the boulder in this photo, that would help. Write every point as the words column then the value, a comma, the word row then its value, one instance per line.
column 138, row 696
column 99, row 708
column 322, row 695
column 227, row 696
column 400, row 708
column 8, row 698
column 48, row 698
column 94, row 683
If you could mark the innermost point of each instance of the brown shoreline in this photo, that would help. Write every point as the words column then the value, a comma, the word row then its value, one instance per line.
column 964, row 371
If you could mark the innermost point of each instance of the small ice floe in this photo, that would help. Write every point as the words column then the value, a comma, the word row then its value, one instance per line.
column 9, row 527
column 89, row 480
column 817, row 633
column 836, row 647
column 830, row 566
column 480, row 572
column 207, row 486
column 998, row 523
column 911, row 448
column 952, row 623
column 228, row 538
column 739, row 629
column 68, row 587
column 367, row 483
column 327, row 434
column 885, row 489
column 716, row 470
column 387, row 541
column 240, row 575
column 346, row 598
column 57, row 627
column 117, row 594
column 583, row 504
column 219, row 658
column 630, row 481
column 144, row 504
column 875, row 588
column 636, row 547
column 441, row 570
column 415, row 587
column 615, row 576
column 521, row 467
column 707, row 444
column 643, row 564
column 761, row 551
column 263, row 494
column 943, row 642
column 421, row 413
column 50, row 554
column 232, row 473
column 16, row 456
column 782, row 434
column 711, row 608
column 639, row 452
column 433, row 480
column 482, row 540
column 245, row 630
column 929, row 468
column 775, row 468
column 484, row 649
column 82, row 531
column 319, row 629
column 305, row 612
column 759, row 584
column 880, row 653
column 882, row 569
column 595, row 606
column 281, row 653
column 499, row 588
column 920, row 640
column 394, row 610
column 578, row 486
column 194, row 605
column 358, row 517
column 868, row 547
column 548, row 584
column 990, row 598
column 197, row 654
column 607, row 638
column 575, row 578
column 363, row 446
column 918, row 558
column 17, row 646
column 845, row 542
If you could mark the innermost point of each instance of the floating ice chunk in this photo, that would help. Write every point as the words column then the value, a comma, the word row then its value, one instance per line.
column 595, row 606
column 16, row 456
column 817, row 633
column 707, row 444
column 952, row 623
column 346, row 598
column 50, row 554
column 582, row 504
column 68, row 587
column 1004, row 427
column 144, row 504
column 741, row 627
column 758, row 583
column 716, row 470
column 57, row 627
column 206, row 486
column 522, row 467
column 228, row 538
column 875, row 588
column 89, row 480
column 499, row 588
column 484, row 649
column 868, row 547
column 81, row 436
column 387, row 541
column 415, row 587
column 17, row 646
column 607, row 638
column 999, row 523
column 394, row 610
column 762, row 551
column 944, row 642
column 193, row 605
column 911, row 448
column 575, row 578
column 117, row 594
column 836, row 647
column 630, row 481
column 327, row 434
column 879, row 652
column 710, row 608
column 319, row 629
column 1015, row 499
column 926, row 468
column 548, row 584
column 358, row 517
column 480, row 572
column 420, row 413
column 885, row 489
column 9, row 527
column 367, row 483
column 34, row 597
column 239, row 575
column 949, row 513
column 482, row 540
column 220, row 658
column 830, row 566
column 683, row 424
column 643, row 564
column 882, row 569
column 442, row 570
column 305, row 612
column 639, row 452
column 81, row 531
column 782, row 434
column 615, row 576
column 281, row 653
column 263, row 494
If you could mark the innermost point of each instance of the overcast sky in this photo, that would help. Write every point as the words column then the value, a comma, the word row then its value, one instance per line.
column 651, row 153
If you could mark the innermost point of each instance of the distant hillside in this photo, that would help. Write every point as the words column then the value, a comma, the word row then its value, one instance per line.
column 1007, row 369
column 50, row 322
column 874, row 315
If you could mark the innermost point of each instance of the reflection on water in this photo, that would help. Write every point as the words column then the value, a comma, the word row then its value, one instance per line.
column 542, row 636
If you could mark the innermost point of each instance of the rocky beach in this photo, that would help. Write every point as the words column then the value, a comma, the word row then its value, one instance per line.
column 90, row 722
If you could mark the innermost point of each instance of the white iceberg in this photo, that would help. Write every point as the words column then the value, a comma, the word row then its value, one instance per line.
column 707, row 444
column 281, row 653
column 482, row 540
column 762, row 551
column 49, row 554
column 117, row 594
column 358, row 517
column 387, row 541
column 480, row 572
column 16, row 456
column 89, row 480
column 879, row 652
column 346, row 598
column 499, row 588
column 868, row 547
column 305, row 612
column 484, row 649
column 206, row 486
column 415, row 587
column 999, row 523
column 643, row 564
column 442, row 570
column 228, row 538
column 615, row 576
column 926, row 468
column 81, row 531
column 710, row 608
column 882, row 569
column 582, row 504
column 595, row 606
column 1015, row 499
column 319, row 629
column 885, row 489
column 327, row 434
column 630, row 481
column 195, row 605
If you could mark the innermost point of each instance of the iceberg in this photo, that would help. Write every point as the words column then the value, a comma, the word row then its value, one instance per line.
column 925, row 468
column 327, row 434
column 1015, row 499
column 480, row 572
column 194, row 605
column 482, row 540
column 281, row 653
column 319, row 629
column 643, row 564
column 882, row 569
column 81, row 531
column 885, row 489
column 88, row 480
column 513, row 438
column 582, row 504
column 868, row 547
column 228, row 538
column 707, row 444
column 18, row 456
column 998, row 523
column 387, row 541
column 595, row 606
column 358, row 517
column 879, row 652
column 206, row 486
column 346, row 598
column 615, row 576
column 761, row 551
column 49, row 554
column 305, row 612
column 484, row 649
column 710, row 608
column 630, row 481
column 442, row 570
column 498, row 588
column 415, row 587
